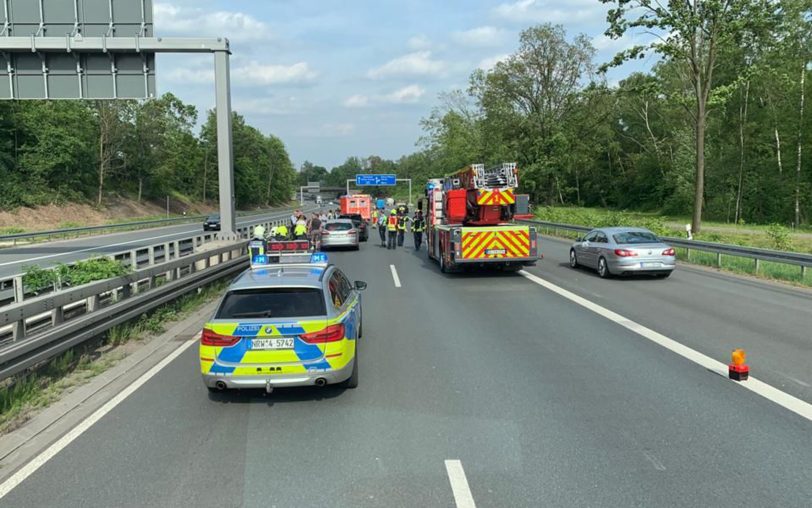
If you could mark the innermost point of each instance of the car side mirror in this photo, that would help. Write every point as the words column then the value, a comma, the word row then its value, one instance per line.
column 360, row 285
column 579, row 239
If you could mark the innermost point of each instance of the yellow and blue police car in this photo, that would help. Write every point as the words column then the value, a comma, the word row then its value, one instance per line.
column 284, row 324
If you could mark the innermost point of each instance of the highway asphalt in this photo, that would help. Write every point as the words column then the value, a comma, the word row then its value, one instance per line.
column 543, row 402
column 14, row 259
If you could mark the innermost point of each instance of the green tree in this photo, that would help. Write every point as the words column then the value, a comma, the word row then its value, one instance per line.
column 689, row 33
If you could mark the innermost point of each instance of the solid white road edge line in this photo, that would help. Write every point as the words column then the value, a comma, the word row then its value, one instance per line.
column 754, row 385
column 49, row 453
column 459, row 484
column 395, row 275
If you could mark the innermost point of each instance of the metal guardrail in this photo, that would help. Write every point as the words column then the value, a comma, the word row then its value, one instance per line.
column 14, row 238
column 36, row 329
column 98, row 306
column 12, row 288
column 803, row 261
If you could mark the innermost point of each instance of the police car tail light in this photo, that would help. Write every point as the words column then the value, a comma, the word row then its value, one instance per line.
column 209, row 338
column 332, row 333
column 277, row 246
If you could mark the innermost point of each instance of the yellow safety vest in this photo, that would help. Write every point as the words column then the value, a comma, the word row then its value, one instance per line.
column 392, row 223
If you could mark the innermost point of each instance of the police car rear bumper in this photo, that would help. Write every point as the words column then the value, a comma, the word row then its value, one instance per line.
column 280, row 380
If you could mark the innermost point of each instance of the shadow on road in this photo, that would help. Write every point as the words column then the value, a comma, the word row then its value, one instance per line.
column 279, row 395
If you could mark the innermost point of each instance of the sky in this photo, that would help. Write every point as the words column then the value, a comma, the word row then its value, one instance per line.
column 335, row 78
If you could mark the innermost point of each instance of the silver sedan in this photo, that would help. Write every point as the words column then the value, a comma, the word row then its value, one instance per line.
column 623, row 251
column 340, row 233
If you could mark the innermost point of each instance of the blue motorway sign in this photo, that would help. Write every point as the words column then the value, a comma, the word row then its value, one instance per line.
column 375, row 180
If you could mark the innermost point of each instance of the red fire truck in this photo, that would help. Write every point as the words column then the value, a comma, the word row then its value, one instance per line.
column 469, row 220
column 356, row 203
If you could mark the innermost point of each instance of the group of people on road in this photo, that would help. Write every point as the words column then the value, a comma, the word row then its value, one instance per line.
column 301, row 228
column 392, row 228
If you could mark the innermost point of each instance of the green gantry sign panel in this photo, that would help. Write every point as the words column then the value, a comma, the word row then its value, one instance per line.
column 50, row 74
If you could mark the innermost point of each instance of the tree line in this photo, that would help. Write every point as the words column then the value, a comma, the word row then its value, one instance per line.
column 58, row 151
column 719, row 127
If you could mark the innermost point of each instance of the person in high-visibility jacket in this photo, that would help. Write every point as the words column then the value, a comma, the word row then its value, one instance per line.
column 392, row 229
column 281, row 232
column 300, row 231
column 418, row 226
column 257, row 247
column 403, row 220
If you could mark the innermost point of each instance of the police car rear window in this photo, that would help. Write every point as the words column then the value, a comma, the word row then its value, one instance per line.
column 272, row 303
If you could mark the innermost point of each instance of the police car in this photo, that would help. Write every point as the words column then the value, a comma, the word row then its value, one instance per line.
column 284, row 323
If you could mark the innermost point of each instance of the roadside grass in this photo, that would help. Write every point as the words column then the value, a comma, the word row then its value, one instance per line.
column 769, row 236
column 766, row 269
column 22, row 395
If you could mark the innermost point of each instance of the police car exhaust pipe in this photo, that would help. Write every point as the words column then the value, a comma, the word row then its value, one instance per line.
column 321, row 382
column 220, row 385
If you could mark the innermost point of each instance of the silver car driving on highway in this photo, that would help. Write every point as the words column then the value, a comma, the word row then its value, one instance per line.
column 623, row 251
column 340, row 233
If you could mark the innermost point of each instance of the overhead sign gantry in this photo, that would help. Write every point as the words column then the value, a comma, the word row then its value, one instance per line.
column 105, row 49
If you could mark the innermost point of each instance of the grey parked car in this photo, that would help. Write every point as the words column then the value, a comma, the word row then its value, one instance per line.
column 623, row 251
column 340, row 233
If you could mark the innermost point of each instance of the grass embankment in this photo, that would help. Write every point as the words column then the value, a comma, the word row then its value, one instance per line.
column 22, row 395
column 771, row 236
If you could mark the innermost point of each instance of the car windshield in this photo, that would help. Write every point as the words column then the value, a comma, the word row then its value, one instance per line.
column 338, row 226
column 632, row 237
column 213, row 217
column 272, row 303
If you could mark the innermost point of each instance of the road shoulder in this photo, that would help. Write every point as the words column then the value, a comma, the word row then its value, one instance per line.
column 21, row 445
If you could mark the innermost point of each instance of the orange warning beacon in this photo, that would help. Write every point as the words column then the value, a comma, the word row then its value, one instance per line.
column 738, row 369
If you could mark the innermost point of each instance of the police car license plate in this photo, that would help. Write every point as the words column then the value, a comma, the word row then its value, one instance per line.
column 276, row 343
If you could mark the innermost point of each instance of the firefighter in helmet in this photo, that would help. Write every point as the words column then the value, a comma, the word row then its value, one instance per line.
column 392, row 229
column 403, row 221
column 418, row 226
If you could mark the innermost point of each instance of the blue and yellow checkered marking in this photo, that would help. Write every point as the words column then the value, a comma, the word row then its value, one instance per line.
column 302, row 358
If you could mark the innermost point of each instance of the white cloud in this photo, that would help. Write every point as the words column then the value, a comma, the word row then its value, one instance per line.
column 356, row 101
column 236, row 26
column 418, row 63
column 189, row 75
column 406, row 95
column 482, row 36
column 333, row 130
column 247, row 75
column 254, row 73
column 489, row 63
column 552, row 11
column 267, row 106
column 419, row 42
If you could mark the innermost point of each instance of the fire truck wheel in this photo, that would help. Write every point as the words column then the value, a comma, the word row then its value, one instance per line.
column 443, row 267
